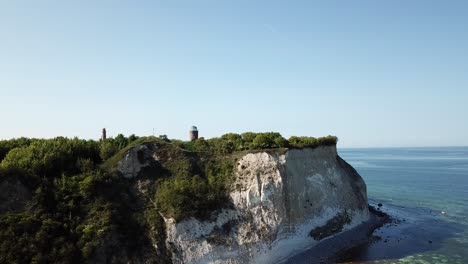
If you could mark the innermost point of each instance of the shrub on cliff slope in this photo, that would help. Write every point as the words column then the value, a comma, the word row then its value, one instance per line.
column 181, row 197
column 197, row 196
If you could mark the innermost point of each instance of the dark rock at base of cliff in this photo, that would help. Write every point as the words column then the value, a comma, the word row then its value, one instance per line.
column 332, row 227
column 332, row 248
column 379, row 213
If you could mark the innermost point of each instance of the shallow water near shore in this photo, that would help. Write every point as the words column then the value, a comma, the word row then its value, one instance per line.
column 426, row 190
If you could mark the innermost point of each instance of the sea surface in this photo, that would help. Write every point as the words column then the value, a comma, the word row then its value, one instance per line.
column 426, row 190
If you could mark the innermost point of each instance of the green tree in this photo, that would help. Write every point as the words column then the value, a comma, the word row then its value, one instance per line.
column 248, row 136
column 164, row 137
column 120, row 141
column 7, row 145
column 201, row 145
column 281, row 142
column 132, row 138
column 262, row 141
column 328, row 140
column 107, row 149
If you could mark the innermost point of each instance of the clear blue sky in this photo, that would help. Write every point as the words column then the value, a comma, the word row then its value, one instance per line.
column 374, row 73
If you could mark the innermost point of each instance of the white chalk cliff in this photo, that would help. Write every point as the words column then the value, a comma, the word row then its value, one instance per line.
column 282, row 204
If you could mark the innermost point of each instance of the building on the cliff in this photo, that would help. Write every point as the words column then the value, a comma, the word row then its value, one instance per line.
column 193, row 133
column 104, row 135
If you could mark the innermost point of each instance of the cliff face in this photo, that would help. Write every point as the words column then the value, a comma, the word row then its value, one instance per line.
column 281, row 205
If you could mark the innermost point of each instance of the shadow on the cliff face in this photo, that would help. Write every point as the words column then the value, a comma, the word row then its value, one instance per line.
column 426, row 231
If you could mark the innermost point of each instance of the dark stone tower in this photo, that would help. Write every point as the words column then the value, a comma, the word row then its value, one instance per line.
column 193, row 133
column 104, row 136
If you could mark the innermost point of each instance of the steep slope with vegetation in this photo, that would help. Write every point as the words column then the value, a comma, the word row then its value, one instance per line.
column 65, row 200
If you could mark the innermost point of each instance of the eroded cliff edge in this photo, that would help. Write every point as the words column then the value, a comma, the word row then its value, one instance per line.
column 281, row 204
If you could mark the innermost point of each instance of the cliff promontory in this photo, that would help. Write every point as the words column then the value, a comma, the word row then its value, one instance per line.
column 249, row 198
column 279, row 204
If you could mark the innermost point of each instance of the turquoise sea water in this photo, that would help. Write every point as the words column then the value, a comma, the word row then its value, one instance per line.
column 427, row 190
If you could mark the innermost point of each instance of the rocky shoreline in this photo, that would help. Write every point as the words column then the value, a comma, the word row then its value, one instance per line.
column 334, row 249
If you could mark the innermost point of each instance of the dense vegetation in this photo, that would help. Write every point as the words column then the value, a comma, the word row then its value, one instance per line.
column 232, row 142
column 80, row 209
column 75, row 205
